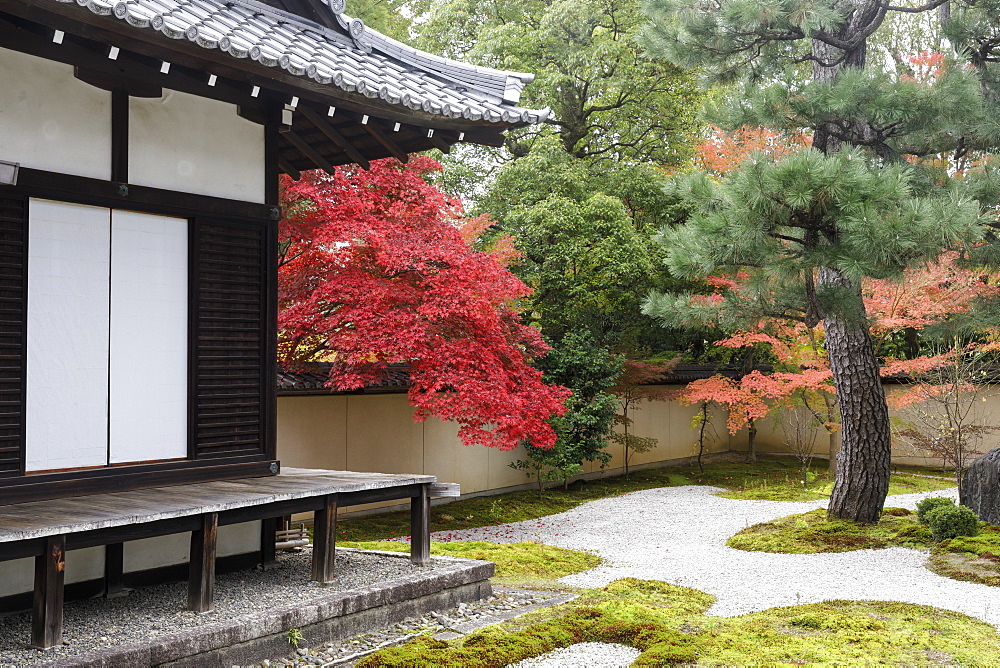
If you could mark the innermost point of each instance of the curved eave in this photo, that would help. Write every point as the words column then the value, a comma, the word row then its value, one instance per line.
column 244, row 39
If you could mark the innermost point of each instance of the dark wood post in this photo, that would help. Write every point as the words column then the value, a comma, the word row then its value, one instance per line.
column 268, row 527
column 325, row 540
column 114, row 569
column 201, row 571
column 47, row 610
column 420, row 527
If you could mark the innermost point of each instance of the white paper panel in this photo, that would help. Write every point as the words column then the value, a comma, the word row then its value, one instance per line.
column 68, row 311
column 149, row 304
column 195, row 145
column 52, row 121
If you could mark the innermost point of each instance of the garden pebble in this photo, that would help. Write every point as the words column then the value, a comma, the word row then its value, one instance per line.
column 585, row 654
column 678, row 535
column 157, row 611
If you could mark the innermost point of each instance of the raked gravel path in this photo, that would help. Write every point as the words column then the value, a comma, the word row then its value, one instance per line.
column 678, row 535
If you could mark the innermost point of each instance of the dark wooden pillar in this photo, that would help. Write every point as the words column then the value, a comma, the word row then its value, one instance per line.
column 201, row 572
column 420, row 527
column 114, row 569
column 268, row 527
column 325, row 540
column 47, row 610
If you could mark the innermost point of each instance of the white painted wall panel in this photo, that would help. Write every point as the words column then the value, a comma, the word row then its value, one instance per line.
column 195, row 145
column 68, row 315
column 50, row 120
column 158, row 551
column 149, row 309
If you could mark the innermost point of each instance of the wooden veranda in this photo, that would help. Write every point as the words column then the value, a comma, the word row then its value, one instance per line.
column 47, row 530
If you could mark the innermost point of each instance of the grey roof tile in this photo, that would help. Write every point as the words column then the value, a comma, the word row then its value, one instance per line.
column 359, row 59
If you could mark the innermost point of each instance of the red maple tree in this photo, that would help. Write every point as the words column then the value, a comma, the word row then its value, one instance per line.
column 376, row 268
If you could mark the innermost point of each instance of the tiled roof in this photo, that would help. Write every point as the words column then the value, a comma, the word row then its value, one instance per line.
column 312, row 379
column 354, row 58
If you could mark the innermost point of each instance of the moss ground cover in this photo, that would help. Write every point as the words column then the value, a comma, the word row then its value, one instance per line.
column 771, row 479
column 667, row 623
column 516, row 563
column 808, row 533
column 969, row 558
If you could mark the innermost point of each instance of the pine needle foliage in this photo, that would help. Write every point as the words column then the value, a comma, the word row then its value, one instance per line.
column 877, row 193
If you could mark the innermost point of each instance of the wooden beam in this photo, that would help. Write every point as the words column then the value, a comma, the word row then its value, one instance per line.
column 287, row 168
column 440, row 144
column 85, row 190
column 138, row 74
column 420, row 521
column 201, row 571
column 119, row 135
column 334, row 135
column 114, row 569
column 325, row 540
column 382, row 138
column 308, row 151
column 268, row 553
column 109, row 82
column 47, row 609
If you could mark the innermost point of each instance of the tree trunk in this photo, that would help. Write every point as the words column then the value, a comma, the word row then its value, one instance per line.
column 701, row 435
column 862, row 481
column 751, row 443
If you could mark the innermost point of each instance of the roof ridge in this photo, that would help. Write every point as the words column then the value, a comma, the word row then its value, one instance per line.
column 367, row 38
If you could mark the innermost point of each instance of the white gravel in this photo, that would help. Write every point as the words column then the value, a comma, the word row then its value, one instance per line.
column 678, row 535
column 589, row 654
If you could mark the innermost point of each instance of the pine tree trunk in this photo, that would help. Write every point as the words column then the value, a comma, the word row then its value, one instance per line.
column 862, row 480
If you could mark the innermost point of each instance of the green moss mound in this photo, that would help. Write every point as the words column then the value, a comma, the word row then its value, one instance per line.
column 520, row 560
column 639, row 613
column 809, row 533
column 968, row 558
column 668, row 625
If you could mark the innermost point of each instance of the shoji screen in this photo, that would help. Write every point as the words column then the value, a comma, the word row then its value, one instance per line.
column 107, row 337
column 149, row 302
column 68, row 316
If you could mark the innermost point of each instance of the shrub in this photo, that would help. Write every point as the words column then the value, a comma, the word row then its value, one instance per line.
column 952, row 521
column 925, row 506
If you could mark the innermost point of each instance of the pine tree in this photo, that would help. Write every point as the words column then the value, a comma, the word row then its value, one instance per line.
column 865, row 200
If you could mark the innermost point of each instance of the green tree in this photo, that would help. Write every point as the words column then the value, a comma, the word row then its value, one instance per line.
column 586, row 246
column 805, row 230
column 609, row 101
column 588, row 370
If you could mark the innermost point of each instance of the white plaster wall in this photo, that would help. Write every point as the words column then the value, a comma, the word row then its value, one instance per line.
column 68, row 314
column 18, row 576
column 149, row 309
column 161, row 551
column 192, row 144
column 50, row 120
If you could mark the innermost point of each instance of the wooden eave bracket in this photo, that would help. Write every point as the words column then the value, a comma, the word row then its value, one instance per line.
column 335, row 136
column 307, row 150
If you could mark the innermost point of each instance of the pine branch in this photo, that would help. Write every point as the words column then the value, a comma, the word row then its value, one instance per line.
column 934, row 4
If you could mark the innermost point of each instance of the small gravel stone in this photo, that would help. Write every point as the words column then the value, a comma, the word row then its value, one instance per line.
column 434, row 622
column 585, row 654
column 678, row 535
column 149, row 612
